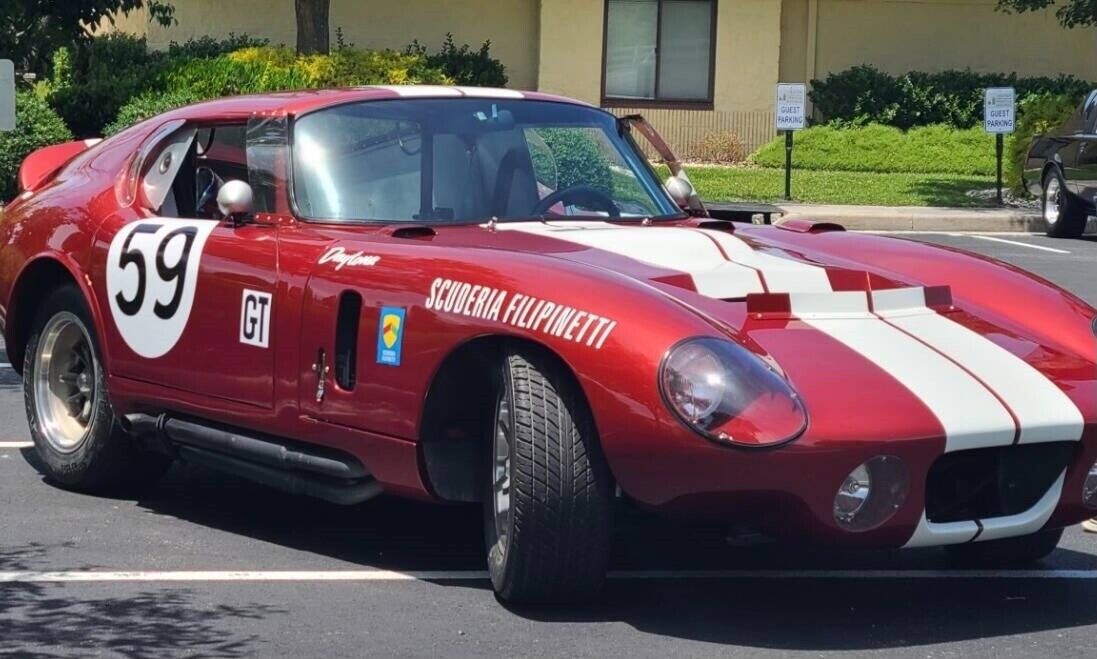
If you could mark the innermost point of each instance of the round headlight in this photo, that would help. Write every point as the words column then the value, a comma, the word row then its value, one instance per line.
column 1089, row 489
column 726, row 393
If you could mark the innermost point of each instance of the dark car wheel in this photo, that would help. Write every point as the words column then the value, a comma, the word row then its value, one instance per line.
column 77, row 438
column 1008, row 552
column 549, row 492
column 1065, row 215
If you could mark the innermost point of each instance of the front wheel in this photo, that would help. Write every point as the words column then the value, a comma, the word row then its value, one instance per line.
column 549, row 493
column 76, row 436
column 1062, row 212
column 1008, row 552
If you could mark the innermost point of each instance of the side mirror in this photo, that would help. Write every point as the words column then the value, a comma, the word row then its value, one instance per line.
column 234, row 200
column 680, row 190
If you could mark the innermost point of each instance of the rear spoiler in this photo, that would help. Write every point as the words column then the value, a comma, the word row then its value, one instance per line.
column 42, row 165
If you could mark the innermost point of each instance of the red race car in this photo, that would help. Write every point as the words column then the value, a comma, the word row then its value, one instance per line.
column 485, row 295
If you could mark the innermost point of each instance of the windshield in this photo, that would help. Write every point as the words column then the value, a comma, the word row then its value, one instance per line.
column 468, row 159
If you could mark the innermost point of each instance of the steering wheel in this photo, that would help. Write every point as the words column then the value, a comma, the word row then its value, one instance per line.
column 585, row 195
column 208, row 183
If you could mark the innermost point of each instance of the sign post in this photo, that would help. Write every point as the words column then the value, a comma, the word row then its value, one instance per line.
column 999, row 119
column 7, row 95
column 791, row 116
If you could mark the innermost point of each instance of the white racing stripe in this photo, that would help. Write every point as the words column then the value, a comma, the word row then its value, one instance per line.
column 103, row 576
column 1044, row 413
column 969, row 413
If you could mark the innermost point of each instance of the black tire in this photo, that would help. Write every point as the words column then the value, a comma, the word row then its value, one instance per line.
column 1071, row 222
column 1008, row 552
column 106, row 460
column 553, row 546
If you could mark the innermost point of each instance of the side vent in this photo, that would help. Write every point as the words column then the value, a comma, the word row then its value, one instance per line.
column 346, row 340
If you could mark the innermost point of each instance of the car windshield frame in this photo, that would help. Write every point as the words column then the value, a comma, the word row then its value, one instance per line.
column 626, row 148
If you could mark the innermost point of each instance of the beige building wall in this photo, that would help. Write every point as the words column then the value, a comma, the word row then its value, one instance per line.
column 897, row 36
column 511, row 25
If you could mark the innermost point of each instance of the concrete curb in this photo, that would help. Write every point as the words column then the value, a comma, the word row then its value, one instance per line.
column 917, row 218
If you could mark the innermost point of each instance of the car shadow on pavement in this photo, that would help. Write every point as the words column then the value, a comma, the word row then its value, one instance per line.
column 789, row 614
column 37, row 619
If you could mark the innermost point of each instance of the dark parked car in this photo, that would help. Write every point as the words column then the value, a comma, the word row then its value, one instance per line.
column 1062, row 169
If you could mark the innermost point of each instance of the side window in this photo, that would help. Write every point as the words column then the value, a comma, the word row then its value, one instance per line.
column 349, row 166
column 1090, row 113
column 184, row 178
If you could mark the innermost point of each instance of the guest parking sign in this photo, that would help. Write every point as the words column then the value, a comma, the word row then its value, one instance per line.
column 999, row 110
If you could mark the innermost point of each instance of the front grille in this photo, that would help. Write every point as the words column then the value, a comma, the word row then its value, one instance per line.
column 993, row 482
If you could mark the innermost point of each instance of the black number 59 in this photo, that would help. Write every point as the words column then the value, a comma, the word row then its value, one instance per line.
column 175, row 273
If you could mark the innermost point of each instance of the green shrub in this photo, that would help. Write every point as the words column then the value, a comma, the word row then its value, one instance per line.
column 204, row 47
column 878, row 148
column 147, row 105
column 90, row 85
column 104, row 74
column 266, row 69
column 36, row 126
column 863, row 95
column 1037, row 115
column 465, row 65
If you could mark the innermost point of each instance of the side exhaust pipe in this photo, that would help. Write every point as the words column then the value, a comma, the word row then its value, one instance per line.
column 288, row 466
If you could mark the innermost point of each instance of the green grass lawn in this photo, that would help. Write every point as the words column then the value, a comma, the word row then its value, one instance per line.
column 831, row 187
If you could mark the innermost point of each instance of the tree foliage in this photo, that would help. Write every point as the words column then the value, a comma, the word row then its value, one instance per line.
column 1070, row 13
column 30, row 30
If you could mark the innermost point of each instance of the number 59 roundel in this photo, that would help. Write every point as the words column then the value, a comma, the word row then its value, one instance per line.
column 152, row 271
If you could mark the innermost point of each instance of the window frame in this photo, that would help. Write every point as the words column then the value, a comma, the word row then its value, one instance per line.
column 706, row 103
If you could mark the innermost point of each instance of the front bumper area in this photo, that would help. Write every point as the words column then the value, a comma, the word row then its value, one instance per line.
column 789, row 492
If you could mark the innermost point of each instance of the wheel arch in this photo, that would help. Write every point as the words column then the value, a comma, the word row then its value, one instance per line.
column 38, row 277
column 455, row 426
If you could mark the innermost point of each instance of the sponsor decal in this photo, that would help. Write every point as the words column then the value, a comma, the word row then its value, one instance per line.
column 152, row 273
column 341, row 259
column 255, row 319
column 521, row 311
column 390, row 335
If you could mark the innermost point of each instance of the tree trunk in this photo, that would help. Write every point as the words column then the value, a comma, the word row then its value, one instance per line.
column 312, row 26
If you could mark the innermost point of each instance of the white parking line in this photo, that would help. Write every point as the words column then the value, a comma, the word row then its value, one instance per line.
column 3, row 365
column 1020, row 244
column 16, row 444
column 84, row 576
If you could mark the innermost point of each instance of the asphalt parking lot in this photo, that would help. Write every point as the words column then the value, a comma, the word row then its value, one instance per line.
column 210, row 566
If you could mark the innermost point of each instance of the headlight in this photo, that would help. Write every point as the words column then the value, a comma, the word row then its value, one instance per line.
column 726, row 393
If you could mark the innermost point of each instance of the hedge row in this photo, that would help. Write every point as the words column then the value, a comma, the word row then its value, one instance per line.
column 877, row 148
column 865, row 95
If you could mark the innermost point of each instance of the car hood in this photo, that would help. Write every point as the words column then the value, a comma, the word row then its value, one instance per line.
column 861, row 314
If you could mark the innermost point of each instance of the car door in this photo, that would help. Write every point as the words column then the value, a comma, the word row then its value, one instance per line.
column 191, row 295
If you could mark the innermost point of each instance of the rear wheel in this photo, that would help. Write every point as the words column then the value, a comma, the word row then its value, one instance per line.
column 76, row 436
column 1007, row 552
column 549, row 495
column 1064, row 214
